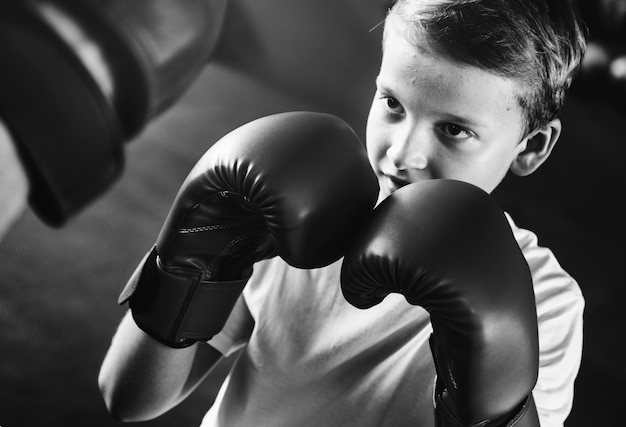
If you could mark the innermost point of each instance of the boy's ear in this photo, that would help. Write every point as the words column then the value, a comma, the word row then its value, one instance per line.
column 538, row 146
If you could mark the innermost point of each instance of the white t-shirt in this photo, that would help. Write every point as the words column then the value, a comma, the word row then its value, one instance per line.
column 310, row 359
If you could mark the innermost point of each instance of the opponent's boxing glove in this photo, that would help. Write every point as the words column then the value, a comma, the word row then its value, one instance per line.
column 293, row 184
column 80, row 77
column 447, row 246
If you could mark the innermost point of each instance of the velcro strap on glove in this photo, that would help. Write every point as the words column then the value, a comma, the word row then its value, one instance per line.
column 178, row 308
column 525, row 415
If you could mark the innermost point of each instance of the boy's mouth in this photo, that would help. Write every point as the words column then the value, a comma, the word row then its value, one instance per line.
column 393, row 183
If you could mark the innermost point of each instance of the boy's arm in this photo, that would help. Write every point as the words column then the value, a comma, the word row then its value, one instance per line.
column 560, row 307
column 267, row 187
column 141, row 378
column 559, row 360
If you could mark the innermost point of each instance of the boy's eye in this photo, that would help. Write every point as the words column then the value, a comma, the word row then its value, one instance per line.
column 456, row 131
column 392, row 104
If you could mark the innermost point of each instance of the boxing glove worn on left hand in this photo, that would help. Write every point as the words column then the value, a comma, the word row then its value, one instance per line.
column 293, row 184
column 446, row 246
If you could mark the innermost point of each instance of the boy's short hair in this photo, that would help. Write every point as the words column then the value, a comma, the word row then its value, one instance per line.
column 540, row 43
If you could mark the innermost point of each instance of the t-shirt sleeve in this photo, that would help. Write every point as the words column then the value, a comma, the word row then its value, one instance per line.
column 560, row 306
column 236, row 331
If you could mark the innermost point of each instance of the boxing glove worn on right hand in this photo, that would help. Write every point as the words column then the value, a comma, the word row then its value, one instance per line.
column 446, row 246
column 294, row 184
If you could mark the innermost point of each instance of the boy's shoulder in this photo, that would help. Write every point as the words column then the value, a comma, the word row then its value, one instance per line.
column 550, row 279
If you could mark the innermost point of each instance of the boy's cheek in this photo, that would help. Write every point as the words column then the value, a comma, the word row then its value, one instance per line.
column 375, row 134
column 375, row 154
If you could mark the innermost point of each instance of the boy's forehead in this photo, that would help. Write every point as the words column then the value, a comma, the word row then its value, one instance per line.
column 410, row 50
column 408, row 57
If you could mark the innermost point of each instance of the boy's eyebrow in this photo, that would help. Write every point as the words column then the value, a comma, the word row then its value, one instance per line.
column 464, row 120
column 380, row 83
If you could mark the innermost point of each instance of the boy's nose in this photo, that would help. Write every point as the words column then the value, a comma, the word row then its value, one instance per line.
column 406, row 152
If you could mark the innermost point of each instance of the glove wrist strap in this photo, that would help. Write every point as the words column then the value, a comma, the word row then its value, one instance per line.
column 178, row 309
column 524, row 415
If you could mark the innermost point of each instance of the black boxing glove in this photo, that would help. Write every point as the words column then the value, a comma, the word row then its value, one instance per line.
column 80, row 77
column 293, row 184
column 446, row 246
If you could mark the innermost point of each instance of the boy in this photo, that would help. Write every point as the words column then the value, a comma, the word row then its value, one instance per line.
column 467, row 90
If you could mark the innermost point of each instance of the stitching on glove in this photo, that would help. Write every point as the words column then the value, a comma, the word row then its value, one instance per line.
column 209, row 228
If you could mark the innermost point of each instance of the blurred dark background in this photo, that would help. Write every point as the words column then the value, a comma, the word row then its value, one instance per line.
column 58, row 287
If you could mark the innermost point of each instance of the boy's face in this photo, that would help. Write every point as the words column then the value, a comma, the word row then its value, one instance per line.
column 432, row 118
